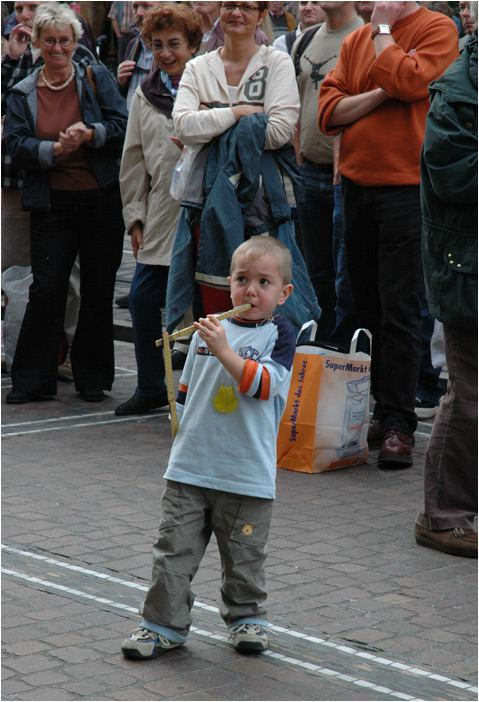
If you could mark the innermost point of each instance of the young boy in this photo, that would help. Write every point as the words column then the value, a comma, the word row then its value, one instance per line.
column 222, row 468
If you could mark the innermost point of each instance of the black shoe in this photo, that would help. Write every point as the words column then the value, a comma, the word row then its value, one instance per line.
column 139, row 404
column 122, row 302
column 178, row 360
column 92, row 395
column 20, row 397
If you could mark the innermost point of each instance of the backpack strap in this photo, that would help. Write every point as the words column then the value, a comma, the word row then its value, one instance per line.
column 90, row 78
column 290, row 38
column 306, row 38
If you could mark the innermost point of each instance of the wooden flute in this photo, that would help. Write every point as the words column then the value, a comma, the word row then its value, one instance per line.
column 192, row 328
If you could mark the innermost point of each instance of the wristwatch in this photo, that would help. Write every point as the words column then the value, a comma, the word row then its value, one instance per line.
column 381, row 29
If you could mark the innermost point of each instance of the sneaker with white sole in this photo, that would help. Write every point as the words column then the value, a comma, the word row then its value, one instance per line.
column 143, row 644
column 249, row 637
column 425, row 409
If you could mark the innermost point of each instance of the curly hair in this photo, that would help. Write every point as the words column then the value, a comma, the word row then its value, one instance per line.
column 173, row 16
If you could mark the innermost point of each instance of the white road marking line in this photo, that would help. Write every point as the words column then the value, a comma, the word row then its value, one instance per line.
column 348, row 650
column 208, row 634
column 56, row 419
column 117, row 420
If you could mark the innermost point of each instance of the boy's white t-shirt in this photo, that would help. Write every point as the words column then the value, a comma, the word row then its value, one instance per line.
column 227, row 433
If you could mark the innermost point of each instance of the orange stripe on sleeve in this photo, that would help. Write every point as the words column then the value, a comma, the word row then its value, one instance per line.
column 249, row 373
column 265, row 384
column 183, row 388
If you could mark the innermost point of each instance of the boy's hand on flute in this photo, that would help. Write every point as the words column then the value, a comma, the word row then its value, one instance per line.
column 213, row 334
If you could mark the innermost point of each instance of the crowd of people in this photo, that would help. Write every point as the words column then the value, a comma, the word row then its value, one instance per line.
column 310, row 171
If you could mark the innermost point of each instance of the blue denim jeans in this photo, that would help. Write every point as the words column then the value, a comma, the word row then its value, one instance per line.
column 428, row 387
column 346, row 318
column 316, row 222
column 382, row 232
column 145, row 300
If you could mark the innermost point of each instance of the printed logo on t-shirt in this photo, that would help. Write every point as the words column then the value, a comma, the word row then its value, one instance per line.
column 249, row 353
column 203, row 351
column 255, row 88
column 316, row 76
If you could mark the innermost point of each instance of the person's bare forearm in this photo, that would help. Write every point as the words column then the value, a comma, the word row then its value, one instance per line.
column 354, row 107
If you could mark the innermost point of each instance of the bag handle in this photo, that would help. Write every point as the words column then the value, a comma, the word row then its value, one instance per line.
column 90, row 78
column 354, row 340
column 305, row 326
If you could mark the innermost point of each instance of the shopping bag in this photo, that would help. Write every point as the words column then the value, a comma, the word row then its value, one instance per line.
column 325, row 423
column 16, row 282
column 182, row 171
column 438, row 351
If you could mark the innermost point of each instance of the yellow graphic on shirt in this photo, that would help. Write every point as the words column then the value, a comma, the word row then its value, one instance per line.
column 247, row 529
column 225, row 400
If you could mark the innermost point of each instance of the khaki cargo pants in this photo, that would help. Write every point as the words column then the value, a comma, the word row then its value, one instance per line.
column 190, row 516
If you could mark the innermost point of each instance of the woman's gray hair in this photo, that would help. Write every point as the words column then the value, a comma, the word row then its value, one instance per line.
column 57, row 14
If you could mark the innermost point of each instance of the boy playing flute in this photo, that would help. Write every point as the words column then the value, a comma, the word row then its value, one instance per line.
column 222, row 470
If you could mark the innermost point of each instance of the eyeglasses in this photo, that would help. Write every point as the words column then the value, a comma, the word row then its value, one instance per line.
column 172, row 45
column 64, row 42
column 243, row 7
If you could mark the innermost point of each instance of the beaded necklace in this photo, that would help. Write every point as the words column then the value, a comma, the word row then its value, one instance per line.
column 56, row 88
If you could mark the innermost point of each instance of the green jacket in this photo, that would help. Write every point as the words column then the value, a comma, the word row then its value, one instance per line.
column 449, row 193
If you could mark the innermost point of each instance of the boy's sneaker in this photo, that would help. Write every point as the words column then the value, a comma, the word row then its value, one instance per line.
column 143, row 643
column 249, row 637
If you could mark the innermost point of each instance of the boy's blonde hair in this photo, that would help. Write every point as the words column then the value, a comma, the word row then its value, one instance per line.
column 265, row 245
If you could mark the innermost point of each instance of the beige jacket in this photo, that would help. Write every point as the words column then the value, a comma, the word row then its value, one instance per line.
column 147, row 165
column 268, row 81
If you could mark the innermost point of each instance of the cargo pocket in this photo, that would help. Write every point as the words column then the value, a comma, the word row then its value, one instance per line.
column 459, row 285
column 253, row 521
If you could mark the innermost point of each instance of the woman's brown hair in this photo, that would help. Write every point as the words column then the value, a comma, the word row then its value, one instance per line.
column 174, row 16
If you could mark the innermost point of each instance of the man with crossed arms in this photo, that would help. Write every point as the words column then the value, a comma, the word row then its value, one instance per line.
column 377, row 96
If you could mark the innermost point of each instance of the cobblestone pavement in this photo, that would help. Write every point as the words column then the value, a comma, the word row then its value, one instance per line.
column 360, row 611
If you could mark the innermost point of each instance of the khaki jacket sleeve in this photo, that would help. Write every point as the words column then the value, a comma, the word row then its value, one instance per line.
column 134, row 179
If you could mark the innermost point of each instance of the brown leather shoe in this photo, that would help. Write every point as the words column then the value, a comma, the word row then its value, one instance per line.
column 458, row 541
column 396, row 450
column 375, row 433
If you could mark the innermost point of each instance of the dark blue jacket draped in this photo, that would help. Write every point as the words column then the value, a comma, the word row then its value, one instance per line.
column 243, row 196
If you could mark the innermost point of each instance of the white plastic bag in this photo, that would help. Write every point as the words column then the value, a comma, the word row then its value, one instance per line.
column 16, row 282
column 182, row 171
column 438, row 352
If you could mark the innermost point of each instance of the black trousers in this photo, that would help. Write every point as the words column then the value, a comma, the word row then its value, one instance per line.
column 88, row 222
column 382, row 233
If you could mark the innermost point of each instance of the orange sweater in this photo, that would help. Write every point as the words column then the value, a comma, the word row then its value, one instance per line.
column 383, row 147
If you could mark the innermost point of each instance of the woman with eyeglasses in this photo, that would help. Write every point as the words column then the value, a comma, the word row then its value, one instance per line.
column 173, row 32
column 65, row 128
column 213, row 35
column 220, row 88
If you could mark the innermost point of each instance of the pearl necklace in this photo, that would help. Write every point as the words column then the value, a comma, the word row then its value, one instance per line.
column 56, row 88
